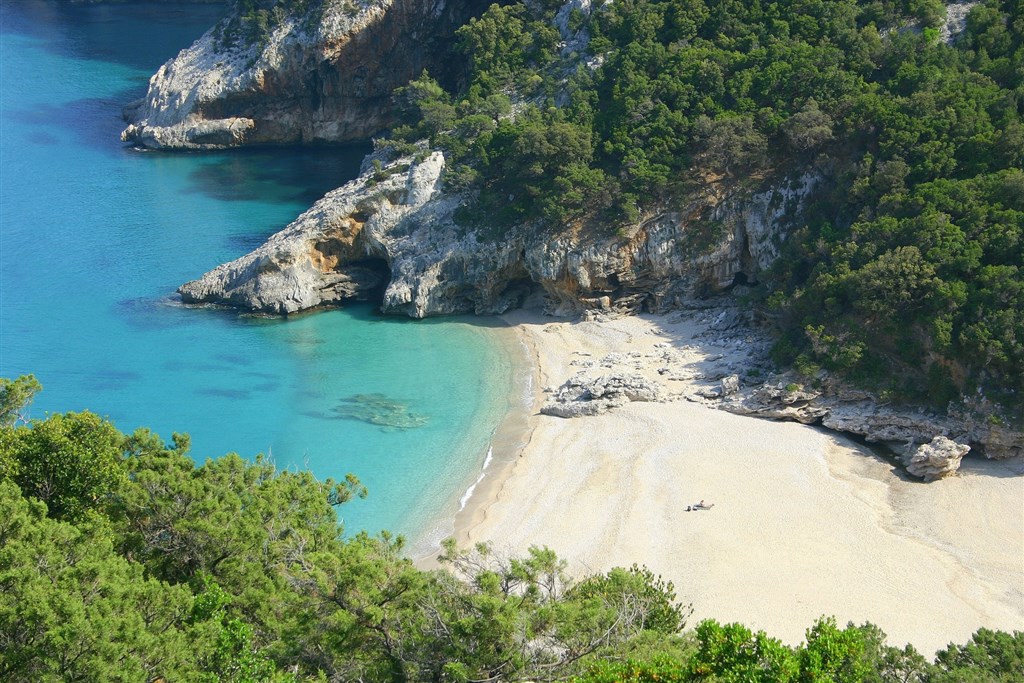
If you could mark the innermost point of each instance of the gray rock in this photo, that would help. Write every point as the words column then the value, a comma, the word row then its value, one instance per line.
column 751, row 237
column 709, row 392
column 956, row 20
column 780, row 400
column 858, row 412
column 323, row 257
column 730, row 385
column 316, row 78
column 938, row 459
column 583, row 394
column 883, row 424
column 997, row 441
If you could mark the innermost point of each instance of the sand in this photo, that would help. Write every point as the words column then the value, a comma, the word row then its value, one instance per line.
column 804, row 524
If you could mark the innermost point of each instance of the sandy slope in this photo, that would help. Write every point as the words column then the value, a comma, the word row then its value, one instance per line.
column 803, row 524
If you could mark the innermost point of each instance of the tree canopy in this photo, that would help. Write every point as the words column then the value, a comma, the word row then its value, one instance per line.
column 905, row 272
column 235, row 571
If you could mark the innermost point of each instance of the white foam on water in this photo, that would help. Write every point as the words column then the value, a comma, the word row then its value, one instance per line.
column 483, row 471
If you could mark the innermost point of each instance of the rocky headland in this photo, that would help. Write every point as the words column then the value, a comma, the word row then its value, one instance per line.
column 400, row 218
column 394, row 235
column 320, row 76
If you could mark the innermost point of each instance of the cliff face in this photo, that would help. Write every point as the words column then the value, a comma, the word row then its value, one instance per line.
column 326, row 76
column 399, row 226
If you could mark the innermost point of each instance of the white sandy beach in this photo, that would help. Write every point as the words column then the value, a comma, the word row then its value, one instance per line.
column 803, row 524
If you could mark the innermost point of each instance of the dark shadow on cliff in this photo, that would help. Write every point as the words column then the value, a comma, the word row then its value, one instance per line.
column 140, row 35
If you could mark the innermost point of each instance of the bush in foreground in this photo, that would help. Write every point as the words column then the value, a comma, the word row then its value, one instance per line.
column 123, row 560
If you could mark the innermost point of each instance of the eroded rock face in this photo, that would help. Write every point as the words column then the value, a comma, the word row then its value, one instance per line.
column 999, row 441
column 399, row 220
column 751, row 236
column 779, row 400
column 337, row 250
column 938, row 459
column 318, row 78
column 903, row 429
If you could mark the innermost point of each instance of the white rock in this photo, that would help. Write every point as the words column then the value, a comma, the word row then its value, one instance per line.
column 938, row 459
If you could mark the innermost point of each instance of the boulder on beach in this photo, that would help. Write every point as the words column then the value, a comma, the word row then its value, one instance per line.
column 938, row 459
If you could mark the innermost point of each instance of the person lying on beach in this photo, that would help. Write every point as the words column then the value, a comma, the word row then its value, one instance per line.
column 703, row 506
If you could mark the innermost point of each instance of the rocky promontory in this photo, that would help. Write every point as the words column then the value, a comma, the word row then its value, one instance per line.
column 394, row 229
column 324, row 75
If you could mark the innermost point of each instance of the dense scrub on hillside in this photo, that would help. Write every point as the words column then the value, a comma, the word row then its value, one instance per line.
column 906, row 274
column 123, row 560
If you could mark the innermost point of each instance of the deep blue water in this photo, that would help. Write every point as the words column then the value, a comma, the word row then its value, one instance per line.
column 95, row 237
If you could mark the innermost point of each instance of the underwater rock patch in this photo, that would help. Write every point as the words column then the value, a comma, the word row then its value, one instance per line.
column 380, row 410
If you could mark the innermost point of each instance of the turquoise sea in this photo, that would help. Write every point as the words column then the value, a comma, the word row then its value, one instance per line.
column 95, row 237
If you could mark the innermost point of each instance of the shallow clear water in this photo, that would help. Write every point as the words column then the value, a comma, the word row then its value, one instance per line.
column 95, row 237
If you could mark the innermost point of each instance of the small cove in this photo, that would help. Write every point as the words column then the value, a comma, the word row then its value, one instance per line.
column 95, row 237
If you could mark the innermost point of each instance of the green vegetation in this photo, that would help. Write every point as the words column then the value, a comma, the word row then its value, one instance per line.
column 906, row 274
column 252, row 21
column 234, row 571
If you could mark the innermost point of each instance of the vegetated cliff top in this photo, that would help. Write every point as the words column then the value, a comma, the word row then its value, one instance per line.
column 904, row 273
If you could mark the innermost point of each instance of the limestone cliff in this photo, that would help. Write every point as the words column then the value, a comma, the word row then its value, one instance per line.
column 325, row 75
column 398, row 220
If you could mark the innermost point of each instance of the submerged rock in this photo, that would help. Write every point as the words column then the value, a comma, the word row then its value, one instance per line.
column 380, row 410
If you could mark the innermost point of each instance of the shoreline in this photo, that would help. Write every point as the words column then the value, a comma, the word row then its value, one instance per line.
column 513, row 437
column 806, row 523
column 504, row 446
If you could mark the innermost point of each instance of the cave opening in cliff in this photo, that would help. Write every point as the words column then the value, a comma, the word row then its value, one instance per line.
column 373, row 275
column 519, row 290
column 741, row 279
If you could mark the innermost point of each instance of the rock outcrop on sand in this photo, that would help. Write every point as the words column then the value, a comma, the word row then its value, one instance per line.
column 584, row 394
column 937, row 459
column 320, row 76
column 834, row 405
column 718, row 357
